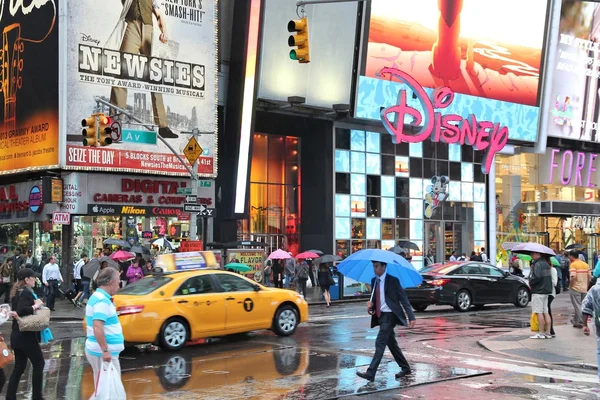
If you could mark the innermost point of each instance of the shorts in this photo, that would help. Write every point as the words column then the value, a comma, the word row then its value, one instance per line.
column 539, row 303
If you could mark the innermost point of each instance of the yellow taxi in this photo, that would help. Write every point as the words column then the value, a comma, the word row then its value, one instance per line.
column 173, row 308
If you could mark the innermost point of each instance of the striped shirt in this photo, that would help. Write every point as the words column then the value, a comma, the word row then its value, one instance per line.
column 101, row 308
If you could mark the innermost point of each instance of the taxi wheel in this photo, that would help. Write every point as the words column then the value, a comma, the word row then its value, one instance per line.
column 286, row 321
column 174, row 334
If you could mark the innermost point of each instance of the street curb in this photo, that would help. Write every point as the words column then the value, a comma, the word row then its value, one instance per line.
column 344, row 301
column 584, row 366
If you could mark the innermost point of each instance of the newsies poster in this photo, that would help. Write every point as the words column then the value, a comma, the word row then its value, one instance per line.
column 157, row 60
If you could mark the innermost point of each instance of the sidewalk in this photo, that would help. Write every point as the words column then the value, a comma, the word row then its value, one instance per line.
column 66, row 311
column 569, row 348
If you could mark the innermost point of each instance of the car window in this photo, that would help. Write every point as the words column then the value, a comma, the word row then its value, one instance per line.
column 469, row 269
column 145, row 286
column 492, row 271
column 196, row 285
column 231, row 283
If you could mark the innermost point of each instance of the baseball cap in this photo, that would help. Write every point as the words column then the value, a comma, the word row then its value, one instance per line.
column 26, row 273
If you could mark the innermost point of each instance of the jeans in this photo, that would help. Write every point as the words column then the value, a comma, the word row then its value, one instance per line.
column 52, row 292
column 550, row 298
column 598, row 352
column 565, row 278
column 301, row 286
column 86, row 290
column 33, row 354
column 288, row 279
column 267, row 279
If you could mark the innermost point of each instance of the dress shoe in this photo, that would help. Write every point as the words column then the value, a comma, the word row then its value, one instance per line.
column 366, row 376
column 404, row 372
column 167, row 133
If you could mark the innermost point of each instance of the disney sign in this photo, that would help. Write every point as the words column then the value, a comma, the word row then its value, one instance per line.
column 449, row 128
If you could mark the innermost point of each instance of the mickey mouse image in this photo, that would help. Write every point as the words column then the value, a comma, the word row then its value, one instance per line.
column 436, row 193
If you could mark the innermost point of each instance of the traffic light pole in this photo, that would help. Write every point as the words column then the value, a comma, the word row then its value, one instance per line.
column 192, row 171
column 301, row 3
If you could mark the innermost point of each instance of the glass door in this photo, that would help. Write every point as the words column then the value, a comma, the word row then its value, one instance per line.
column 434, row 242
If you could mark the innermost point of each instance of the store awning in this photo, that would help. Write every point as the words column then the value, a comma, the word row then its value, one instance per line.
column 565, row 208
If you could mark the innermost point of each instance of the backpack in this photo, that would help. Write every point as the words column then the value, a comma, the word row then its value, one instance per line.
column 477, row 257
column 303, row 272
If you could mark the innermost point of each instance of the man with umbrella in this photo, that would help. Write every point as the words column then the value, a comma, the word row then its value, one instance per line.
column 387, row 308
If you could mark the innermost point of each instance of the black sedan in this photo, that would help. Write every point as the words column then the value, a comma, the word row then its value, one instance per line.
column 466, row 284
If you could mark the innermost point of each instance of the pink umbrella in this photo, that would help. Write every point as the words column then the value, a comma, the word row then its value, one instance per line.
column 307, row 254
column 122, row 255
column 279, row 255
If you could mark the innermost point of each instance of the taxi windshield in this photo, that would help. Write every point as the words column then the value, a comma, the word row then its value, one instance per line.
column 145, row 286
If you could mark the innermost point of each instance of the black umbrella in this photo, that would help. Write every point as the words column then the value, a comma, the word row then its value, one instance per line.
column 319, row 252
column 328, row 258
column 139, row 250
column 110, row 261
column 408, row 245
column 117, row 242
column 575, row 247
column 90, row 268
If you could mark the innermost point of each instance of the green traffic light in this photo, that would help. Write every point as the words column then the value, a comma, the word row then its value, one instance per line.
column 293, row 55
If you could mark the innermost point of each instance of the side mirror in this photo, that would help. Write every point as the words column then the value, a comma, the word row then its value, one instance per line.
column 256, row 287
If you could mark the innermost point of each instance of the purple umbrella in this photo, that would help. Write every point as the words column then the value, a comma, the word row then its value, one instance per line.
column 528, row 248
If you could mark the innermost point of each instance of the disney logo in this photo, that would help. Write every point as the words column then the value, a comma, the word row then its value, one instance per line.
column 450, row 128
column 88, row 38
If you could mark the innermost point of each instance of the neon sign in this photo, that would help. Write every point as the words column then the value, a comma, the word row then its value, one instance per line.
column 571, row 166
column 449, row 128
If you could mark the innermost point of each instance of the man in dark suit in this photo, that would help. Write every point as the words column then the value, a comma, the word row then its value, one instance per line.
column 387, row 312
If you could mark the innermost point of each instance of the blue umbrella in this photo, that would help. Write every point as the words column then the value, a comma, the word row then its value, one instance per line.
column 359, row 266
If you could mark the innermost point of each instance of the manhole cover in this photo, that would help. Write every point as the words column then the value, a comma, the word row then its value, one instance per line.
column 511, row 390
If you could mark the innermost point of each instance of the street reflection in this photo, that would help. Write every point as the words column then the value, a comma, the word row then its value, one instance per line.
column 192, row 369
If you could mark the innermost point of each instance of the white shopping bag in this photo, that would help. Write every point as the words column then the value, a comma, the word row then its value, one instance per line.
column 109, row 385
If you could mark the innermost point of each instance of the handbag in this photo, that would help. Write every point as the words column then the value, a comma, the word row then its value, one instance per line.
column 6, row 356
column 36, row 322
column 331, row 280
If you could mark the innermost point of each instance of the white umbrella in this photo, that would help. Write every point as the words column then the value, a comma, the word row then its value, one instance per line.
column 279, row 255
column 162, row 242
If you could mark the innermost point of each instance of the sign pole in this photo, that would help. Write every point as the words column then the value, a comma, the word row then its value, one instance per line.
column 194, row 219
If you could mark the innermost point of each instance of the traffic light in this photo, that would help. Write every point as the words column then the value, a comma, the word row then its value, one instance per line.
column 105, row 130
column 89, row 131
column 299, row 40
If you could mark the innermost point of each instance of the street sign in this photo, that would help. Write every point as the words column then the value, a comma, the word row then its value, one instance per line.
column 205, row 184
column 138, row 136
column 201, row 209
column 191, row 199
column 192, row 150
column 193, row 208
column 61, row 218
column 184, row 190
column 190, row 245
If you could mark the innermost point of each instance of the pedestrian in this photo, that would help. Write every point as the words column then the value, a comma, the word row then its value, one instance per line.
column 77, row 276
column 564, row 269
column 388, row 307
column 428, row 260
column 52, row 279
column 6, row 279
column 453, row 256
column 483, row 255
column 267, row 272
column 147, row 267
column 277, row 274
column 30, row 259
column 103, row 266
column 540, row 281
column 463, row 257
column 555, row 285
column 311, row 273
column 134, row 273
column 591, row 309
column 18, row 262
column 325, row 278
column 25, row 345
column 475, row 257
column 579, row 275
column 290, row 269
column 104, row 334
column 85, row 283
column 301, row 274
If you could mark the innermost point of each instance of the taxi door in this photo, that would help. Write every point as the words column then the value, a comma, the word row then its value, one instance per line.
column 247, row 309
column 198, row 300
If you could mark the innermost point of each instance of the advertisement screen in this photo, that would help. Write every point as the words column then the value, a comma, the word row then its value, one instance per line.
column 574, row 109
column 29, row 123
column 157, row 60
column 465, row 45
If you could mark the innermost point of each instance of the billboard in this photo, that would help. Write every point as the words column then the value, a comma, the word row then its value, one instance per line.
column 494, row 71
column 154, row 58
column 29, row 122
column 574, row 109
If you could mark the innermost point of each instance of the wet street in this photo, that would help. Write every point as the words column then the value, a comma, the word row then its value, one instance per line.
column 320, row 362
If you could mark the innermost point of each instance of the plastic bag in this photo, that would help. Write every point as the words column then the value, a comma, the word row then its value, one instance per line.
column 534, row 323
column 109, row 385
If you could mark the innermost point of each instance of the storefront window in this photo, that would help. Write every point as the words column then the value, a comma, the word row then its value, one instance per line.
column 274, row 193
